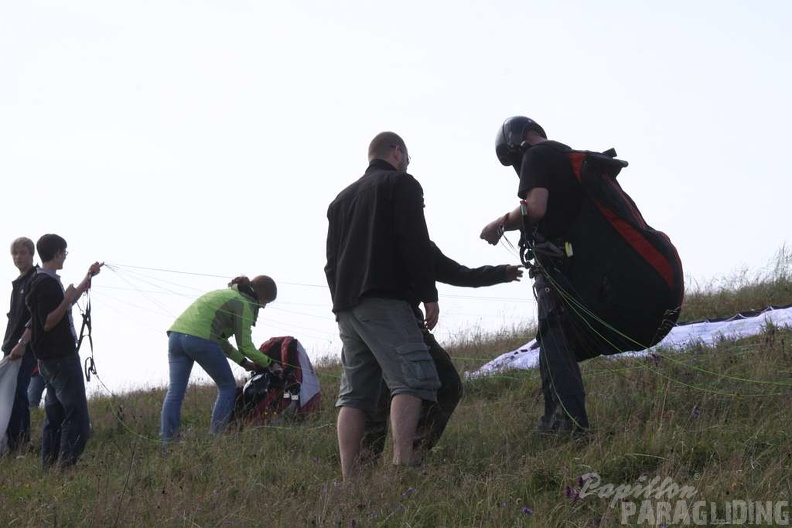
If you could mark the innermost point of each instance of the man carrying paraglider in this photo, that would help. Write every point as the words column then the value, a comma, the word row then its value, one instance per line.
column 605, row 281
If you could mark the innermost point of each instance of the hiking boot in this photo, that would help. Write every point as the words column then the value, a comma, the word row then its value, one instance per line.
column 560, row 427
column 545, row 426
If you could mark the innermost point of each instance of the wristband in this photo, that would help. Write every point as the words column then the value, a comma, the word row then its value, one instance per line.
column 502, row 225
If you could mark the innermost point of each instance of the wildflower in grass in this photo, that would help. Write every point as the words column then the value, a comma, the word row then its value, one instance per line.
column 352, row 523
column 409, row 492
column 654, row 358
column 526, row 510
column 696, row 412
column 572, row 494
column 582, row 479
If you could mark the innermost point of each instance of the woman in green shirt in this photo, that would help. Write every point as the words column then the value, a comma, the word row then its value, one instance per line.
column 201, row 334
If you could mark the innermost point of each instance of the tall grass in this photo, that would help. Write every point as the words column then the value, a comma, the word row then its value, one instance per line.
column 715, row 419
column 745, row 290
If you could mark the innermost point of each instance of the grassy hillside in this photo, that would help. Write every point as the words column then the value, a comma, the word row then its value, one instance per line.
column 742, row 291
column 715, row 420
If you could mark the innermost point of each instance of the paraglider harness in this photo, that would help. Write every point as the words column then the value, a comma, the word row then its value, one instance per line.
column 532, row 243
column 535, row 250
column 85, row 331
column 268, row 397
column 628, row 297
column 89, row 366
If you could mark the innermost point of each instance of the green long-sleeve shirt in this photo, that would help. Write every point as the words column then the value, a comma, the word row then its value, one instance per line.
column 218, row 315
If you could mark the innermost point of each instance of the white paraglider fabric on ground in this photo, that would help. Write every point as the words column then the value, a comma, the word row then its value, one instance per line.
column 682, row 336
column 8, row 380
column 310, row 382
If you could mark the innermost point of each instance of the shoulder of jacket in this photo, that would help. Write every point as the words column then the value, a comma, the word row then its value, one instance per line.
column 405, row 178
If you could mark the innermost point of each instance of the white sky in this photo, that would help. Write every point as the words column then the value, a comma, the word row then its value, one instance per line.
column 208, row 138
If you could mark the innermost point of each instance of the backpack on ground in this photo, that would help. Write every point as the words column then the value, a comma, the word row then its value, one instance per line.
column 267, row 398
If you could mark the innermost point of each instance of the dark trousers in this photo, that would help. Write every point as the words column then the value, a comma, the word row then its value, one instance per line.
column 19, row 422
column 66, row 426
column 434, row 415
column 561, row 349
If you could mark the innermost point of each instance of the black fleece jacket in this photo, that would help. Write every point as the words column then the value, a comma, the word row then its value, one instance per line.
column 18, row 315
column 449, row 271
column 377, row 241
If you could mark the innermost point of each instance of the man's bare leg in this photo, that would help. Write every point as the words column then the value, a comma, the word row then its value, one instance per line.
column 405, row 411
column 351, row 423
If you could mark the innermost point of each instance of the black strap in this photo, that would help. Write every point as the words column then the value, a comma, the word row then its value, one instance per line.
column 534, row 246
column 90, row 365
column 526, row 252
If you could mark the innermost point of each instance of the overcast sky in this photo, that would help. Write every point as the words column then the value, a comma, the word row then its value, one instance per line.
column 207, row 138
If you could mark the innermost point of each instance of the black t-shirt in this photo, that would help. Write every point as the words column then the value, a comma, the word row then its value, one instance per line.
column 45, row 295
column 547, row 165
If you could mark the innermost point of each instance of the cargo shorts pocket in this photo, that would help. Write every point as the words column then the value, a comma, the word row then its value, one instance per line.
column 418, row 367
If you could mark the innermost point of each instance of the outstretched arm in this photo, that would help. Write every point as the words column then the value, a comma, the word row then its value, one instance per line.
column 451, row 272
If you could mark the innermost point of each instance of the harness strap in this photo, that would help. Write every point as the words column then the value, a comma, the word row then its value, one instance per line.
column 526, row 246
column 533, row 245
column 90, row 365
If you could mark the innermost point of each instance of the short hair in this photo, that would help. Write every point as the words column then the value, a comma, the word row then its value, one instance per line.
column 23, row 242
column 382, row 144
column 48, row 245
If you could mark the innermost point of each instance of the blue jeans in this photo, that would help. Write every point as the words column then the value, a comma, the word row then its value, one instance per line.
column 35, row 391
column 183, row 351
column 66, row 425
column 19, row 423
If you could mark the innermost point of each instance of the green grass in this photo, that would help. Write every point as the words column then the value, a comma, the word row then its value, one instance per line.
column 741, row 292
column 716, row 419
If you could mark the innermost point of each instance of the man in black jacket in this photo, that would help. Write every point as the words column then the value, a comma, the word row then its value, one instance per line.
column 22, row 252
column 379, row 260
column 435, row 415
